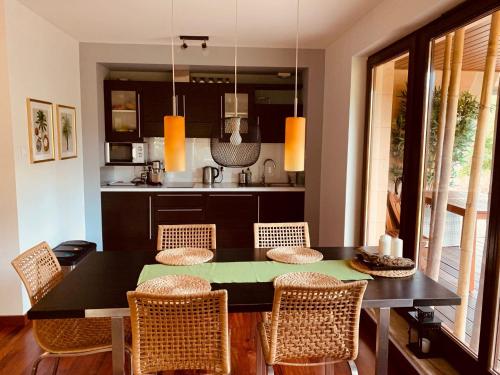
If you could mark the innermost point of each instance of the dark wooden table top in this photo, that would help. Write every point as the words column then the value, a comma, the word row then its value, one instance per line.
column 100, row 282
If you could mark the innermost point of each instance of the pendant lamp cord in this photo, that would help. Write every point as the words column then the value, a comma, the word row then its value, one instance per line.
column 296, row 101
column 174, row 101
column 236, row 60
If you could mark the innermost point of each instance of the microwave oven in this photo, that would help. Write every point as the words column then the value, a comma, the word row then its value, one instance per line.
column 125, row 153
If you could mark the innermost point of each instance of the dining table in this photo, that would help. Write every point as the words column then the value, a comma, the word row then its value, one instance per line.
column 98, row 287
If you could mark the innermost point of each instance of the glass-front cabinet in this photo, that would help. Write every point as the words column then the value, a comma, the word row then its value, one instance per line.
column 122, row 111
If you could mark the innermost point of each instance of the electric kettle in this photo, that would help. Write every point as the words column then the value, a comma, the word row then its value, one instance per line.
column 210, row 174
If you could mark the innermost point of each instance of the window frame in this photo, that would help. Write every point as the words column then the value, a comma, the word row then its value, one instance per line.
column 418, row 45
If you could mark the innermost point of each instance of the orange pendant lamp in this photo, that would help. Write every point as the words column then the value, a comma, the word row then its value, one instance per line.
column 174, row 126
column 295, row 127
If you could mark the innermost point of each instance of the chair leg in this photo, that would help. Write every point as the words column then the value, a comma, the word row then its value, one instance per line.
column 34, row 369
column 56, row 366
column 353, row 367
column 329, row 367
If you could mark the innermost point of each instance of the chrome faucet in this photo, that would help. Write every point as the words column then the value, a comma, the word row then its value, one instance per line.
column 264, row 171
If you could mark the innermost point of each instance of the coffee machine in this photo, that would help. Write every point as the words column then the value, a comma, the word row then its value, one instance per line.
column 155, row 173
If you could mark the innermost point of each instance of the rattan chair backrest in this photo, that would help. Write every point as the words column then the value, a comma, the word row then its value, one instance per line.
column 39, row 270
column 316, row 321
column 189, row 235
column 184, row 332
column 269, row 235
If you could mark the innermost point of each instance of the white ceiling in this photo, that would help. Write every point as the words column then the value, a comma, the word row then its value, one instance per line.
column 262, row 23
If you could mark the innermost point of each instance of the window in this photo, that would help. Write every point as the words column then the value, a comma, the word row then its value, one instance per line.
column 458, row 164
column 386, row 149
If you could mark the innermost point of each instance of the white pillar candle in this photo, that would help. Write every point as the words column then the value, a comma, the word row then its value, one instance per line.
column 397, row 247
column 384, row 245
column 426, row 345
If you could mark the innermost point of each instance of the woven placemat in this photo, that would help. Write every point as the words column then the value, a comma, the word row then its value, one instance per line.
column 184, row 256
column 358, row 266
column 175, row 285
column 301, row 279
column 294, row 255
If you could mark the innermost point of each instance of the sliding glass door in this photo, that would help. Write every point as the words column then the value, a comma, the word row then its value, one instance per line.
column 461, row 112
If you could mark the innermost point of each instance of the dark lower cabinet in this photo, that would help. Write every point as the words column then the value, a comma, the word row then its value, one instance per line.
column 130, row 220
column 281, row 207
column 234, row 216
column 126, row 221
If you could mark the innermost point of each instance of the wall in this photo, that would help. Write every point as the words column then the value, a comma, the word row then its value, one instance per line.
column 343, row 117
column 94, row 57
column 10, row 289
column 43, row 63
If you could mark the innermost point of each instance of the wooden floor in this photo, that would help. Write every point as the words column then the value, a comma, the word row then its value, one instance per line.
column 18, row 350
column 448, row 277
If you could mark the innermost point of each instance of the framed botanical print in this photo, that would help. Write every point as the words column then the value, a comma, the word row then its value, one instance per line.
column 40, row 130
column 66, row 131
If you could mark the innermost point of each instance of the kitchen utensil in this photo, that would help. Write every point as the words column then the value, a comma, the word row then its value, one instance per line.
column 210, row 174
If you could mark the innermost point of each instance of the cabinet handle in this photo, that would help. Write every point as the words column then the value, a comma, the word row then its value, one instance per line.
column 139, row 113
column 180, row 210
column 221, row 116
column 179, row 195
column 230, row 195
column 150, row 231
column 184, row 105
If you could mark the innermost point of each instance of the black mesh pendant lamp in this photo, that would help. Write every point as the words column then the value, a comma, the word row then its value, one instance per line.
column 235, row 141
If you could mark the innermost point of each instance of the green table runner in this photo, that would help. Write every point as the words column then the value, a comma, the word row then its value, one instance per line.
column 251, row 272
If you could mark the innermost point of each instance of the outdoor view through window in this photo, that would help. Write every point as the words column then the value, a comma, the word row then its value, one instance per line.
column 462, row 106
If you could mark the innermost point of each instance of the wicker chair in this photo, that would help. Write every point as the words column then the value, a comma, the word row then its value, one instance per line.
column 182, row 332
column 40, row 272
column 189, row 235
column 268, row 235
column 314, row 316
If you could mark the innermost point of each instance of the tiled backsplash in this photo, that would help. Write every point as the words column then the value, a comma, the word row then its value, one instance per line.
column 197, row 156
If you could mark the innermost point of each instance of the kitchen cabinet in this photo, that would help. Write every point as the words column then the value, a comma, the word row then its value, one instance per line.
column 122, row 111
column 156, row 102
column 130, row 220
column 279, row 207
column 234, row 215
column 272, row 107
column 126, row 221
column 200, row 105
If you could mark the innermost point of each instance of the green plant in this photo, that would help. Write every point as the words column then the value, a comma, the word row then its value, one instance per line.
column 66, row 129
column 467, row 112
column 41, row 120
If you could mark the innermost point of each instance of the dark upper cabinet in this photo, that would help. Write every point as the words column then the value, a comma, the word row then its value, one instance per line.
column 200, row 105
column 135, row 109
column 122, row 111
column 272, row 106
column 156, row 102
column 127, row 221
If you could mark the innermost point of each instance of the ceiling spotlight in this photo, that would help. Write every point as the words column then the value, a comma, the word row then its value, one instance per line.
column 184, row 45
column 204, row 45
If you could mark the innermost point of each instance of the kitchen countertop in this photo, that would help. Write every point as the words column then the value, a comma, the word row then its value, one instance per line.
column 199, row 187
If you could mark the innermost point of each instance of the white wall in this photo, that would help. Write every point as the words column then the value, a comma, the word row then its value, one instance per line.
column 43, row 63
column 343, row 116
column 10, row 289
column 95, row 56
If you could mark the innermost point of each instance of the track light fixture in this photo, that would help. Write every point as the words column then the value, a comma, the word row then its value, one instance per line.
column 202, row 38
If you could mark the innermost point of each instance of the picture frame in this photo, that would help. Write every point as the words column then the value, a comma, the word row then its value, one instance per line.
column 66, row 131
column 40, row 130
